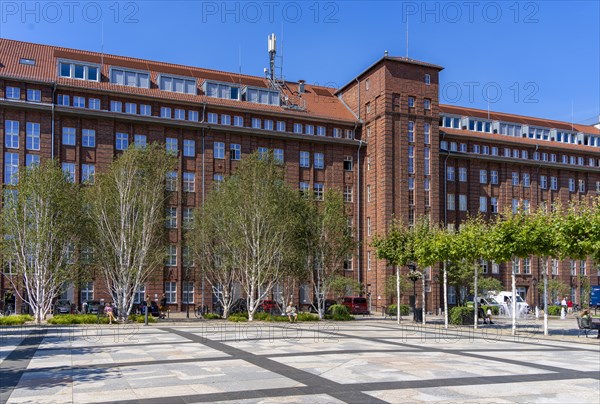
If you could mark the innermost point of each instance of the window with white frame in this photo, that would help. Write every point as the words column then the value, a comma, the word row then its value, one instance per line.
column 211, row 117
column 462, row 203
column 219, row 150
column 319, row 161
column 515, row 266
column 87, row 291
column 179, row 114
column 571, row 184
column 309, row 129
column 450, row 201
column 63, row 100
column 165, row 112
column 318, row 191
column 171, row 181
column 582, row 268
column 139, row 141
column 78, row 70
column 337, row 132
column 263, row 153
column 238, row 121
column 494, row 177
column 581, row 186
column 221, row 90
column 171, row 292
column 426, row 161
column 427, row 79
column 515, row 205
column 94, row 103
column 261, row 95
column 32, row 132
column 495, row 268
column 368, row 226
column 171, row 146
column 321, row 131
column 450, row 173
column 171, row 217
column 573, row 267
column 225, row 119
column 235, row 151
column 527, row 266
column 68, row 136
column 192, row 116
column 526, row 180
column 189, row 182
column 426, row 133
column 177, row 84
column 188, row 292
column 483, row 204
column 483, row 176
column 256, row 123
column 411, row 102
column 368, row 193
column 347, row 193
column 554, row 266
column 297, row 128
column 11, row 134
column 462, row 174
column 268, row 124
column 121, row 141
column 171, row 259
column 217, row 181
column 426, row 103
column 515, row 179
column 553, row 183
column 411, row 159
column 304, row 159
column 139, row 294
column 187, row 218
column 69, row 170
column 304, row 187
column 411, row 131
column 88, row 173
column 281, row 126
column 32, row 160
column 348, row 263
column 494, row 205
column 189, row 148
column 34, row 95
column 130, row 78
column 116, row 106
column 278, row 156
column 543, row 182
column 79, row 102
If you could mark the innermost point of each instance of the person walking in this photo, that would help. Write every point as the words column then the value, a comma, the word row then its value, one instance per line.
column 163, row 306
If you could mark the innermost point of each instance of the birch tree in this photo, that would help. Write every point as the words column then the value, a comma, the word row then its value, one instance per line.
column 127, row 209
column 328, row 241
column 41, row 223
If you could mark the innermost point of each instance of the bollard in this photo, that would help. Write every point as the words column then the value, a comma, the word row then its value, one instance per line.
column 563, row 314
column 537, row 312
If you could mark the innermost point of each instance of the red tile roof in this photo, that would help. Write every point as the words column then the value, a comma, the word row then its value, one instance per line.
column 520, row 119
column 522, row 141
column 320, row 102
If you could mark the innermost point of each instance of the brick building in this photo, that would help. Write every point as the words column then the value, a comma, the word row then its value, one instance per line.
column 383, row 140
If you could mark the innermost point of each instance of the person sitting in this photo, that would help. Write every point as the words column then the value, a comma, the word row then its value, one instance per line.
column 108, row 310
column 291, row 312
column 586, row 321
column 488, row 316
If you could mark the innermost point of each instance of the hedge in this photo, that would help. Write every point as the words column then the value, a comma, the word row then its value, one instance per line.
column 392, row 309
column 15, row 319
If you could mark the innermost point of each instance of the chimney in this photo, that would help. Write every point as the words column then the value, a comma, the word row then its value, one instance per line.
column 301, row 86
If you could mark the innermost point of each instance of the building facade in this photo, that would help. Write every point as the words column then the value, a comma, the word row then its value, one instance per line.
column 383, row 140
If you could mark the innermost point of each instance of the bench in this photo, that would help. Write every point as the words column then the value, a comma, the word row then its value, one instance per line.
column 586, row 325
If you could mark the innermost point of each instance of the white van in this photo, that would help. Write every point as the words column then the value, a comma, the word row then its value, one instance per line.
column 504, row 299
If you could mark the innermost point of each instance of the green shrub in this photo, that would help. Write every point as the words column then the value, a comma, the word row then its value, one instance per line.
column 554, row 310
column 461, row 315
column 262, row 316
column 140, row 318
column 495, row 309
column 392, row 309
column 338, row 317
column 238, row 317
column 307, row 317
column 78, row 319
column 211, row 316
column 339, row 310
column 17, row 319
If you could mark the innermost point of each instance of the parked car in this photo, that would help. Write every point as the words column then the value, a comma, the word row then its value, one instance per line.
column 62, row 307
column 356, row 304
column 94, row 306
column 328, row 303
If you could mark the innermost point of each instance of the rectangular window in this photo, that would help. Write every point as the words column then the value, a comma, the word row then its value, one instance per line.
column 171, row 181
column 238, row 121
column 411, row 159
column 450, row 173
column 482, row 204
column 494, row 151
column 145, row 110
column 515, row 266
column 256, row 123
column 221, row 90
column 94, row 103
column 34, row 95
column 483, row 176
column 116, row 106
column 573, row 267
column 321, row 131
column 139, row 141
column 304, row 159
column 165, row 112
column 193, row 116
column 11, row 168
column 63, row 100
column 348, row 163
column 426, row 103
column 189, row 182
column 494, row 177
column 278, row 156
column 122, row 141
column 171, row 217
column 88, row 173
column 368, row 193
column 411, row 132
column 427, row 79
column 515, row 205
column 177, row 84
column 463, row 148
column 87, row 291
column 347, row 193
column 427, row 133
column 495, row 268
column 304, row 187
column 68, row 136
column 319, row 161
column 515, row 179
column 297, row 128
column 217, row 181
column 235, row 151
column 494, row 205
column 526, row 180
column 426, row 165
column 11, row 134
column 130, row 108
column 543, row 182
column 171, row 292
column 69, row 170
column 225, row 119
column 189, row 148
column 571, row 185
column 553, row 183
column 219, row 150
column 75, row 70
column 263, row 153
column 171, row 146
column 462, row 203
column 187, row 218
column 310, row 129
column 130, row 78
column 318, row 191
column 88, row 138
column 139, row 294
column 582, row 186
column 212, row 117
column 368, row 226
column 188, row 292
column 281, row 126
column 32, row 141
column 462, row 174
column 554, row 264
column 411, row 102
column 450, row 201
column 268, row 124
column 31, row 160
column 337, row 132
column 79, row 102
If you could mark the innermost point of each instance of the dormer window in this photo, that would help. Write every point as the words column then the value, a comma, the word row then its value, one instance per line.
column 261, row 95
column 177, row 84
column 129, row 78
column 221, row 90
column 78, row 70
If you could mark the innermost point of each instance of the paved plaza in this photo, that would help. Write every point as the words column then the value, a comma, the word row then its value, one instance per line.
column 364, row 361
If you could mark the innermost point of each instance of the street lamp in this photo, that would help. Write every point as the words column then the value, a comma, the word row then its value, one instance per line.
column 414, row 276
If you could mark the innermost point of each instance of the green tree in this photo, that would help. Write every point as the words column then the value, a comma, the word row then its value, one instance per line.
column 343, row 286
column 555, row 289
column 127, row 209
column 328, row 242
column 42, row 223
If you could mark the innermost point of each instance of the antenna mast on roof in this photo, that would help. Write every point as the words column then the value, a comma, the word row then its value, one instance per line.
column 278, row 84
column 102, row 46
column 407, row 37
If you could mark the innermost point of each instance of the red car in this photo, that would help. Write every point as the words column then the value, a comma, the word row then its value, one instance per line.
column 356, row 304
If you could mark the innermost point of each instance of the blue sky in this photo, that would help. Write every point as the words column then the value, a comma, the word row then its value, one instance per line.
column 539, row 58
